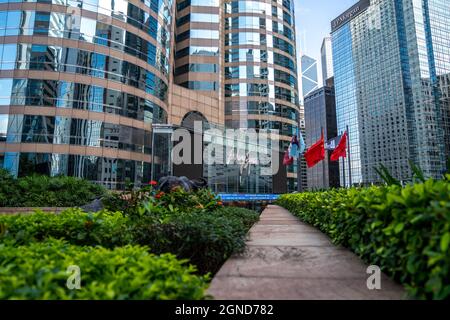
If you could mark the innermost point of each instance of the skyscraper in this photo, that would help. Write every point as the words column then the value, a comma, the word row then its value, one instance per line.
column 309, row 75
column 197, row 45
column 81, row 84
column 327, row 59
column 94, row 88
column 320, row 114
column 261, row 87
column 391, row 66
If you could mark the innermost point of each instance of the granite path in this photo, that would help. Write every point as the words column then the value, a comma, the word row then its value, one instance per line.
column 286, row 259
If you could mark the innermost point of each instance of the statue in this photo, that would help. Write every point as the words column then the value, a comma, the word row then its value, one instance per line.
column 168, row 183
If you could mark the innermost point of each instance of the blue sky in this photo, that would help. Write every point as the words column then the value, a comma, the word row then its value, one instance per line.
column 313, row 18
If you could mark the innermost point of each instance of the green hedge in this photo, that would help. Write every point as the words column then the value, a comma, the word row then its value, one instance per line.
column 39, row 271
column 207, row 239
column 107, row 229
column 405, row 231
column 44, row 191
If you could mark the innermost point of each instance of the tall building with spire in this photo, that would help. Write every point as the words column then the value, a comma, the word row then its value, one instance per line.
column 310, row 80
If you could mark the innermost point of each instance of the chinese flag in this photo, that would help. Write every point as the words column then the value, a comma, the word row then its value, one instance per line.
column 341, row 149
column 315, row 153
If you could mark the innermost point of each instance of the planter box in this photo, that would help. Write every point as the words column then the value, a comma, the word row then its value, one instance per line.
column 29, row 210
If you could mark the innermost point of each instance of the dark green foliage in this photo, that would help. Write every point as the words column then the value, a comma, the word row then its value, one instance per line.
column 103, row 228
column 447, row 174
column 405, row 231
column 206, row 238
column 39, row 271
column 45, row 191
column 384, row 174
column 179, row 200
column 418, row 174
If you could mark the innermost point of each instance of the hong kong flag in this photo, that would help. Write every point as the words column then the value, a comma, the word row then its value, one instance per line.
column 341, row 149
column 315, row 153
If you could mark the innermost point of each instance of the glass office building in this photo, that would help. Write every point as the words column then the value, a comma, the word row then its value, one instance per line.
column 391, row 66
column 310, row 81
column 320, row 115
column 81, row 83
column 197, row 59
column 260, row 78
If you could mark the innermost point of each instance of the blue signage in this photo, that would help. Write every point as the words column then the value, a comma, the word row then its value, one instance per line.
column 227, row 197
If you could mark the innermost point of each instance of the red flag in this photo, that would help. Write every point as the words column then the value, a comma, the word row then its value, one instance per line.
column 287, row 160
column 341, row 149
column 315, row 153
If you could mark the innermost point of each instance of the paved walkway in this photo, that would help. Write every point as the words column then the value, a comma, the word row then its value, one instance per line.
column 287, row 259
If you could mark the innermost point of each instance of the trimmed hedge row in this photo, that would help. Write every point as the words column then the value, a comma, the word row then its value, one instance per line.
column 207, row 239
column 40, row 271
column 405, row 231
column 45, row 191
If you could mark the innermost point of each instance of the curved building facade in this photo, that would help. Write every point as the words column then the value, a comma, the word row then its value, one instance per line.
column 261, row 87
column 81, row 83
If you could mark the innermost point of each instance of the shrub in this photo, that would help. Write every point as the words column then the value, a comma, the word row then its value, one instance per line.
column 178, row 200
column 103, row 228
column 38, row 271
column 207, row 239
column 45, row 191
column 405, row 231
column 247, row 217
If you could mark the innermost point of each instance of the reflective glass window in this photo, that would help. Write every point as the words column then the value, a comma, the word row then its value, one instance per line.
column 245, row 55
column 246, row 72
column 90, row 30
column 8, row 56
column 245, row 22
column 247, row 90
column 200, row 85
column 41, row 57
column 204, row 34
column 248, row 6
column 3, row 127
column 243, row 38
column 79, row 96
column 284, row 61
column 5, row 91
column 283, row 45
column 282, row 29
column 197, row 67
column 286, row 78
column 197, row 51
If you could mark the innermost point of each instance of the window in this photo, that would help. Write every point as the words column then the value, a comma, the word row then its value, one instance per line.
column 204, row 34
column 197, row 67
column 8, row 54
column 5, row 91
column 200, row 85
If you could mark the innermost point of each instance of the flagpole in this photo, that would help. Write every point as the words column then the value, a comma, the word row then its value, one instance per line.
column 323, row 162
column 299, row 176
column 349, row 160
column 343, row 171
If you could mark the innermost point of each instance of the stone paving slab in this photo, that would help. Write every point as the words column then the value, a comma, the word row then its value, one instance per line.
column 269, row 228
column 288, row 259
column 265, row 288
column 300, row 262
